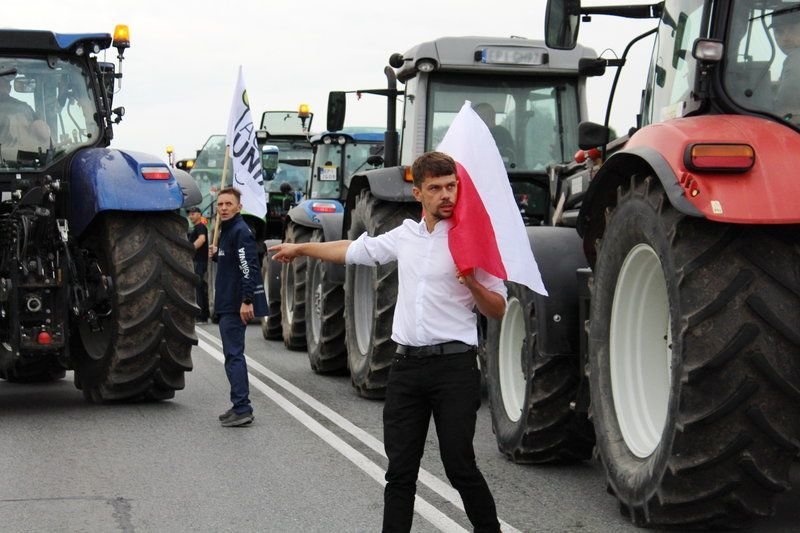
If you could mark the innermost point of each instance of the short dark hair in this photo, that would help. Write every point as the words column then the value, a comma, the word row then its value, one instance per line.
column 231, row 190
column 194, row 209
column 432, row 165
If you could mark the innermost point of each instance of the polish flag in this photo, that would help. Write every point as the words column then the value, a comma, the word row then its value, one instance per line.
column 488, row 232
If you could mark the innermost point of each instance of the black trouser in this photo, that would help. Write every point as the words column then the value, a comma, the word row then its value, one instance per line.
column 200, row 268
column 447, row 386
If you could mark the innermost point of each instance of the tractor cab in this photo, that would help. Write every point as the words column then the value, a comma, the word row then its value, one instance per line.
column 761, row 59
column 55, row 97
column 339, row 155
column 734, row 57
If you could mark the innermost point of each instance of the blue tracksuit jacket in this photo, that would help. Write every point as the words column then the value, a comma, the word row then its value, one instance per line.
column 238, row 271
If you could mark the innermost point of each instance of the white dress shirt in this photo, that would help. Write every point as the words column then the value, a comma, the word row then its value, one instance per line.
column 432, row 306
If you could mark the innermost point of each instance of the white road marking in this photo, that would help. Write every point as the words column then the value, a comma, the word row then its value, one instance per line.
column 426, row 478
column 425, row 509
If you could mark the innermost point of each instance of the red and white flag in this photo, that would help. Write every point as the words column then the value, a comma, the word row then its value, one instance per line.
column 488, row 232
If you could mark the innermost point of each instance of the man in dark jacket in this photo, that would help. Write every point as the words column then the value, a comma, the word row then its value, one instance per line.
column 198, row 236
column 239, row 297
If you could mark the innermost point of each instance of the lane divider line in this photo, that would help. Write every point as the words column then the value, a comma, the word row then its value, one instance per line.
column 433, row 515
column 441, row 488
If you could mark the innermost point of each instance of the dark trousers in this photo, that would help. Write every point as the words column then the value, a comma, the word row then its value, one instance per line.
column 200, row 268
column 447, row 386
column 231, row 330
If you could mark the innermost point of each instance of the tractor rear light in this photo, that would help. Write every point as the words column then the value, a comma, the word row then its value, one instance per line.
column 583, row 155
column 720, row 157
column 155, row 173
column 323, row 207
column 407, row 175
column 44, row 338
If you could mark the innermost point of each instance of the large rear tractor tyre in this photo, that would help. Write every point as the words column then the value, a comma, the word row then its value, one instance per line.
column 271, row 327
column 325, row 326
column 370, row 296
column 693, row 363
column 144, row 345
column 531, row 396
column 293, row 291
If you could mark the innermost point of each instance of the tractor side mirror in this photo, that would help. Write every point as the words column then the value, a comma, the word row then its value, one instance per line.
column 589, row 66
column 591, row 135
column 562, row 20
column 337, row 104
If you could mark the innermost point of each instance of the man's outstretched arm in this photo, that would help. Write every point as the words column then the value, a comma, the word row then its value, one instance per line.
column 334, row 251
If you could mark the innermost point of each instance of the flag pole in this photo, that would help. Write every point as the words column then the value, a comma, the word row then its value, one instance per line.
column 221, row 186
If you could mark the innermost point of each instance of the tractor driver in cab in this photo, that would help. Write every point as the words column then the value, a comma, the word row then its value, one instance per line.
column 20, row 130
column 502, row 137
column 786, row 28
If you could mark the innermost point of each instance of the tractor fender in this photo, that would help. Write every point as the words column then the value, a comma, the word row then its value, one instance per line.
column 618, row 169
column 331, row 225
column 330, row 222
column 383, row 183
column 765, row 193
column 559, row 255
column 103, row 179
column 388, row 184
column 191, row 192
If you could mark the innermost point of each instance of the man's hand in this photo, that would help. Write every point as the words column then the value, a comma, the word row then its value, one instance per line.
column 284, row 252
column 246, row 312
column 490, row 304
column 211, row 250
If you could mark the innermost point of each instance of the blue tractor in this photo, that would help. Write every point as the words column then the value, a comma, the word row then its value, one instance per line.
column 95, row 269
column 311, row 291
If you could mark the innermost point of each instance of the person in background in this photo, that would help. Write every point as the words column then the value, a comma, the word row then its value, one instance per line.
column 435, row 370
column 239, row 297
column 786, row 27
column 20, row 129
column 502, row 137
column 198, row 236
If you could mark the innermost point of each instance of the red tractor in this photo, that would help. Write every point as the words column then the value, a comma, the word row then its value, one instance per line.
column 691, row 228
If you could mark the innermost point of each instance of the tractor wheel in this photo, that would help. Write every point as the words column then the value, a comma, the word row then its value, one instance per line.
column 693, row 372
column 144, row 345
column 325, row 329
column 293, row 292
column 370, row 295
column 41, row 370
column 271, row 273
column 530, row 395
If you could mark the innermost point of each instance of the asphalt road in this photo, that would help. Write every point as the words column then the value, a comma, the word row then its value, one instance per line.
column 311, row 462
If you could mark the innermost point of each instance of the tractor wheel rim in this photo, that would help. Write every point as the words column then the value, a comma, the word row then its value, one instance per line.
column 640, row 350
column 365, row 305
column 509, row 360
column 290, row 294
column 316, row 300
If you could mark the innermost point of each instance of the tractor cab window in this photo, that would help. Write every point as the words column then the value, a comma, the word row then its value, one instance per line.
column 762, row 60
column 326, row 176
column 669, row 88
column 47, row 111
column 533, row 122
column 293, row 168
column 356, row 156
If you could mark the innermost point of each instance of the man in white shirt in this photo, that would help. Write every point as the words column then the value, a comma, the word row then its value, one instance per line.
column 435, row 370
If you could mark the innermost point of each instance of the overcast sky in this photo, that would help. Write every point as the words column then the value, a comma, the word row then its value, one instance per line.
column 180, row 72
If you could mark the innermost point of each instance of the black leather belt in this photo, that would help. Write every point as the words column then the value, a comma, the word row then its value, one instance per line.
column 432, row 350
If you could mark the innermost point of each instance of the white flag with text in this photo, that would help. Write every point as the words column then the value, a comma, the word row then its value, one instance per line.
column 245, row 158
